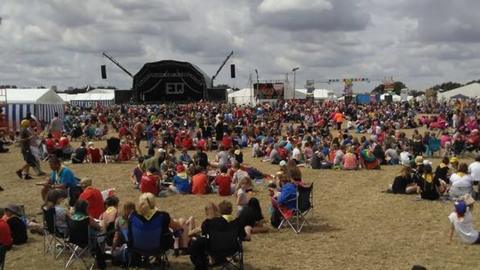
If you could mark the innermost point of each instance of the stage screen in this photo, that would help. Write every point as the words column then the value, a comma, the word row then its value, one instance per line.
column 269, row 90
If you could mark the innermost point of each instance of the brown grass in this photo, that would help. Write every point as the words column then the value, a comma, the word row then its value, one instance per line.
column 355, row 225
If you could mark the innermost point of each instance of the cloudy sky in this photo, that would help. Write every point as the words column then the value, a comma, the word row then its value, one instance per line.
column 59, row 42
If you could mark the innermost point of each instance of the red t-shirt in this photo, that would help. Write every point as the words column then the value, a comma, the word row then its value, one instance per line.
column 187, row 143
column 199, row 183
column 94, row 155
column 224, row 183
column 63, row 142
column 123, row 131
column 125, row 153
column 149, row 183
column 50, row 143
column 202, row 144
column 95, row 201
column 227, row 142
column 5, row 234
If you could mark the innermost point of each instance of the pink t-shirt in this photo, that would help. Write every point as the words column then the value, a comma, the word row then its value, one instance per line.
column 349, row 161
column 444, row 139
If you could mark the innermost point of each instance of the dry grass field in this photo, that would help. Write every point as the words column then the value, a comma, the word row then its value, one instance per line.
column 355, row 225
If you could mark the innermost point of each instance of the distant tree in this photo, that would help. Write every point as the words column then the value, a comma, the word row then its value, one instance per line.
column 398, row 86
column 416, row 93
column 379, row 89
column 446, row 86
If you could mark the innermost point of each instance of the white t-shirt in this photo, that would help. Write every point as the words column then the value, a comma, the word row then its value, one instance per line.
column 338, row 157
column 461, row 181
column 474, row 170
column 405, row 158
column 464, row 227
column 296, row 154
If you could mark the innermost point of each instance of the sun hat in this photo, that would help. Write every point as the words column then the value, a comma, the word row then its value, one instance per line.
column 237, row 152
column 427, row 162
column 14, row 208
column 460, row 207
column 90, row 143
column 419, row 160
column 85, row 182
column 282, row 163
column 25, row 123
column 453, row 160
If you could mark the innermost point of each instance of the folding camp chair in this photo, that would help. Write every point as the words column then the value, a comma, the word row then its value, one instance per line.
column 113, row 149
column 226, row 247
column 296, row 218
column 79, row 241
column 146, row 239
column 3, row 253
column 52, row 238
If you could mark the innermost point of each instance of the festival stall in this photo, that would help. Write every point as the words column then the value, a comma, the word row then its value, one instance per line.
column 41, row 103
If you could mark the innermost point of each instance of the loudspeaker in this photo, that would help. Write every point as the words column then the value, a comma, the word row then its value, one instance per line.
column 348, row 99
column 232, row 70
column 388, row 98
column 103, row 69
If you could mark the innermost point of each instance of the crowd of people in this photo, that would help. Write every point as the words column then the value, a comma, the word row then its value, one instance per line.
column 290, row 134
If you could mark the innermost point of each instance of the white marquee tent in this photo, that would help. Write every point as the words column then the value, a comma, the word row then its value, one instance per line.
column 318, row 94
column 471, row 91
column 92, row 98
column 42, row 103
column 245, row 95
column 240, row 97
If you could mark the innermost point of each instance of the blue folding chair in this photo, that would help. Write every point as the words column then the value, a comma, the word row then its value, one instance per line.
column 148, row 238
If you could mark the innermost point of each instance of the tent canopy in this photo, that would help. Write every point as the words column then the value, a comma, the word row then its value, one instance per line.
column 33, row 96
column 317, row 94
column 95, row 95
column 470, row 91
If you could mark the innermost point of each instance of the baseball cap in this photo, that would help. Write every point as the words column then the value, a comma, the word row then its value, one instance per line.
column 460, row 207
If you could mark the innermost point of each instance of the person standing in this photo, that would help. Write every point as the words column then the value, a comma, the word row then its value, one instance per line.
column 56, row 126
column 138, row 130
column 30, row 160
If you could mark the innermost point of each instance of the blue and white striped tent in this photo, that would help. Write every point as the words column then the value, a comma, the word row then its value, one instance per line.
column 41, row 103
column 93, row 98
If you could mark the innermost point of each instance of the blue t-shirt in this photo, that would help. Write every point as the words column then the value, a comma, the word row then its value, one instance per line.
column 182, row 184
column 65, row 176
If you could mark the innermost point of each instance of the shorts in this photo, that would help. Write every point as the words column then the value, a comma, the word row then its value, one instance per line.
column 29, row 157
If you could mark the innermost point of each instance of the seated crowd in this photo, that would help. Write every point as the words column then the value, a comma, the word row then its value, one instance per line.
column 228, row 129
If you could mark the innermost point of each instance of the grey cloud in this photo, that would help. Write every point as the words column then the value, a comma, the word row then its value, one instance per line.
column 53, row 42
column 344, row 15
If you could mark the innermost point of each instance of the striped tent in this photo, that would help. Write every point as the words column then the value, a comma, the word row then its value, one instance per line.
column 92, row 103
column 41, row 103
column 94, row 98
